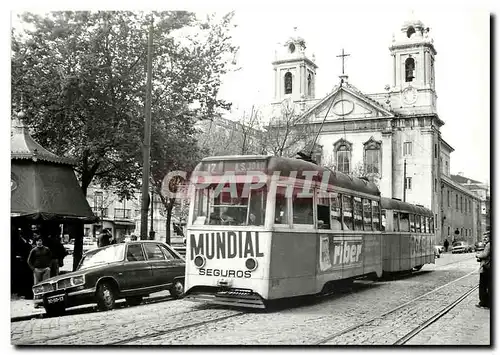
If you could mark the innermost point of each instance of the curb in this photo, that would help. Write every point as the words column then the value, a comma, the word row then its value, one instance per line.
column 44, row 314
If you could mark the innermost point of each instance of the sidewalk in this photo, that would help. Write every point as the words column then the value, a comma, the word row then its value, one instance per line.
column 22, row 309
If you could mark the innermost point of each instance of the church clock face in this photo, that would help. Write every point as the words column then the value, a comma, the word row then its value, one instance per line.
column 409, row 95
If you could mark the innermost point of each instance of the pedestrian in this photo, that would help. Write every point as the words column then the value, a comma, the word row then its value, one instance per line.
column 58, row 254
column 39, row 261
column 485, row 273
column 104, row 239
column 446, row 245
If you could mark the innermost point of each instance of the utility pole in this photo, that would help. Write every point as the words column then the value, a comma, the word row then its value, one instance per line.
column 146, row 146
column 151, row 230
column 404, row 185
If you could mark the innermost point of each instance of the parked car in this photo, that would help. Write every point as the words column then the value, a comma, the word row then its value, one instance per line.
column 437, row 251
column 461, row 247
column 479, row 246
column 441, row 248
column 129, row 270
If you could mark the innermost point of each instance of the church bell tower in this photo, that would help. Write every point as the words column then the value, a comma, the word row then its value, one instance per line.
column 413, row 86
column 294, row 73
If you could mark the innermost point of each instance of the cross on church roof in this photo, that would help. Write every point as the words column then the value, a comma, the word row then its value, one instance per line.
column 343, row 55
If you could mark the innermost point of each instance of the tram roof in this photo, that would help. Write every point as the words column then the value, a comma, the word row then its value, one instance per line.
column 393, row 204
column 287, row 165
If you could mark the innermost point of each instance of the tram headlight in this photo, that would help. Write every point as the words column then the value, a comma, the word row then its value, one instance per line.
column 251, row 264
column 199, row 261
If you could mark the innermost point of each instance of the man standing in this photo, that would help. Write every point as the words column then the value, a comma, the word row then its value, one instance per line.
column 446, row 245
column 104, row 239
column 485, row 273
column 39, row 261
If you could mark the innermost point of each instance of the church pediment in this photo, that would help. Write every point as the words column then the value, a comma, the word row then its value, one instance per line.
column 346, row 103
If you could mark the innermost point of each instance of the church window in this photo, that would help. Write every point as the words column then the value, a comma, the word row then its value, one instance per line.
column 372, row 156
column 343, row 159
column 342, row 150
column 309, row 85
column 407, row 148
column 288, row 83
column 410, row 31
column 409, row 69
column 448, row 198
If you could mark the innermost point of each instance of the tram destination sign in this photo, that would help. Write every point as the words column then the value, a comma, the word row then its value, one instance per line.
column 236, row 166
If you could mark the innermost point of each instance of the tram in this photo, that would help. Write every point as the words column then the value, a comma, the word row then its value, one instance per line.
column 262, row 228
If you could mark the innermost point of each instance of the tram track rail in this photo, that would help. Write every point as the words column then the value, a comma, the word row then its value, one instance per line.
column 172, row 330
column 416, row 330
column 403, row 340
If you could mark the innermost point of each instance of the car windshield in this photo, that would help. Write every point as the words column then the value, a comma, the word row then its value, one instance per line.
column 458, row 244
column 108, row 254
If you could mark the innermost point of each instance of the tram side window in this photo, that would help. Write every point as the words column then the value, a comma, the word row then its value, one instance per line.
column 347, row 211
column 201, row 206
column 417, row 224
column 427, row 227
column 367, row 214
column 384, row 220
column 431, row 223
column 323, row 210
column 335, row 216
column 395, row 222
column 281, row 206
column 404, row 222
column 358, row 214
column 412, row 223
column 376, row 217
column 302, row 208
column 424, row 227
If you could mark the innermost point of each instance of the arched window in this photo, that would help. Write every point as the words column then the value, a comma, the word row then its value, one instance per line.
column 409, row 69
column 410, row 31
column 342, row 149
column 309, row 85
column 288, row 83
column 372, row 158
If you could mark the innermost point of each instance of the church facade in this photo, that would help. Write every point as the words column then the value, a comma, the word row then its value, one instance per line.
column 393, row 137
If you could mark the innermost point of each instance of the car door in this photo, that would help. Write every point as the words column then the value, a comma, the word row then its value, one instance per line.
column 159, row 265
column 177, row 266
column 136, row 272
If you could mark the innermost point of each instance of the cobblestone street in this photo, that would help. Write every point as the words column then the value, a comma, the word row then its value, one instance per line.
column 181, row 322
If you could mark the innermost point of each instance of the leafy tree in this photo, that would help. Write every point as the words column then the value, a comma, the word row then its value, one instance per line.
column 81, row 79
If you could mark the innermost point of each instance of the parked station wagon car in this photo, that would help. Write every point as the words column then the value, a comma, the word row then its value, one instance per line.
column 129, row 270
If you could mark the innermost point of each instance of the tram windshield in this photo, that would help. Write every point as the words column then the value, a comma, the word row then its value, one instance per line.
column 234, row 205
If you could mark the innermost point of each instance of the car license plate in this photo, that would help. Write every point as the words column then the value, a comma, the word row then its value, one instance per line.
column 55, row 299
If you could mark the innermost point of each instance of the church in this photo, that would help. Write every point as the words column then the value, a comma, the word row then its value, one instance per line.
column 393, row 138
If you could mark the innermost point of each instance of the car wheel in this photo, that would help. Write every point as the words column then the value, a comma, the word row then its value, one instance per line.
column 105, row 296
column 133, row 301
column 177, row 289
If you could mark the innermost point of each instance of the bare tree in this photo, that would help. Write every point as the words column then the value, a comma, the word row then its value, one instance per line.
column 287, row 133
column 225, row 137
